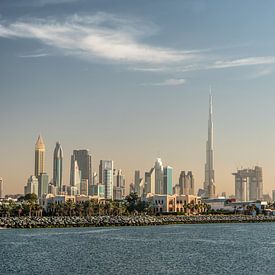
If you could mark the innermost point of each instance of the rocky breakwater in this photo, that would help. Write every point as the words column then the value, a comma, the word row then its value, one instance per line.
column 95, row 221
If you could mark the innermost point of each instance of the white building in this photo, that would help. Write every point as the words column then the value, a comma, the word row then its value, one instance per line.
column 106, row 168
column 32, row 186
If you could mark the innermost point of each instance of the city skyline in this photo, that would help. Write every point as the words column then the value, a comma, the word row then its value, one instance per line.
column 130, row 83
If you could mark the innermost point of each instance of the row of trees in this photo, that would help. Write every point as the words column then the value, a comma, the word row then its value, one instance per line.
column 132, row 204
column 28, row 206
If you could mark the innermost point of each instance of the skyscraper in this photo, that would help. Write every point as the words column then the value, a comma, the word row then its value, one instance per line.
column 39, row 157
column 106, row 168
column 186, row 183
column 149, row 181
column 168, row 180
column 159, row 188
column 1, row 188
column 84, row 161
column 119, row 185
column 209, row 186
column 57, row 166
column 32, row 186
column 138, row 184
column 43, row 184
column 75, row 179
column 249, row 184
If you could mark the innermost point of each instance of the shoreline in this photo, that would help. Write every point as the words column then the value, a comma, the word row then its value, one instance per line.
column 111, row 221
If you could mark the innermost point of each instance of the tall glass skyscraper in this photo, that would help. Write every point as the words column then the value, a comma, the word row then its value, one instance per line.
column 106, row 168
column 39, row 157
column 168, row 180
column 75, row 176
column 57, row 166
column 84, row 162
column 159, row 177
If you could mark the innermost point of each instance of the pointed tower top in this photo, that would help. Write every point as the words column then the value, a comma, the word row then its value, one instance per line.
column 40, row 143
column 210, row 101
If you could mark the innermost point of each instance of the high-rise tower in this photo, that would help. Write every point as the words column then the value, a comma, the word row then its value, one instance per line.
column 57, row 166
column 209, row 186
column 84, row 162
column 39, row 157
column 106, row 168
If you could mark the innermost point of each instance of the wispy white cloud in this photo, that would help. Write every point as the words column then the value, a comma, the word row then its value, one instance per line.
column 168, row 82
column 42, row 3
column 249, row 61
column 102, row 36
column 33, row 55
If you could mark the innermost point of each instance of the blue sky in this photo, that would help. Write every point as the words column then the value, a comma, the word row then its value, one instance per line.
column 130, row 80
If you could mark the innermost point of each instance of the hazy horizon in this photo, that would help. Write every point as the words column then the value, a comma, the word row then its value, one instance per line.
column 130, row 82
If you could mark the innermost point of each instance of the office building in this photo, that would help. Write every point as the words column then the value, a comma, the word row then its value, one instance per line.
column 32, row 186
column 249, row 184
column 52, row 189
column 39, row 157
column 273, row 195
column 75, row 179
column 119, row 185
column 138, row 184
column 186, row 183
column 84, row 187
column 159, row 186
column 106, row 168
column 149, row 182
column 58, row 166
column 84, row 162
column 168, row 180
column 43, row 184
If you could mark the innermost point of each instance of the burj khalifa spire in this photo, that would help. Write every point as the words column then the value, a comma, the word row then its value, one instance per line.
column 209, row 182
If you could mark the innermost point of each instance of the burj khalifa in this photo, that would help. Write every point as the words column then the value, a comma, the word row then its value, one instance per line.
column 209, row 182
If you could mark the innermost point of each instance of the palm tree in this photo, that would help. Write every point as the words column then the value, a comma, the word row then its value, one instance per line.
column 89, row 207
column 107, row 208
column 70, row 206
column 79, row 208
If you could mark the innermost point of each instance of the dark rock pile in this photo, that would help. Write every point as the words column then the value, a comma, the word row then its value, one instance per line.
column 45, row 222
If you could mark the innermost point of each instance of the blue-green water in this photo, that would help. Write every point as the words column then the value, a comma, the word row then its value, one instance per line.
column 175, row 249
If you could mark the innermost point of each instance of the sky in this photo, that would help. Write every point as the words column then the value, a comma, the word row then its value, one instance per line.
column 129, row 80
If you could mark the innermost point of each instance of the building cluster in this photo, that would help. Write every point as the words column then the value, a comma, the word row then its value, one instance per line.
column 156, row 185
column 109, row 185
column 159, row 180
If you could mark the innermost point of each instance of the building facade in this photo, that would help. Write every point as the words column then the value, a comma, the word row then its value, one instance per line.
column 187, row 183
column 106, row 168
column 138, row 183
column 39, row 157
column 168, row 180
column 84, row 161
column 75, row 179
column 32, row 186
column 43, row 184
column 149, row 181
column 58, row 166
column 119, row 185
column 159, row 186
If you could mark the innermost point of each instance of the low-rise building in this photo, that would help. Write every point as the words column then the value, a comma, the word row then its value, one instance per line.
column 175, row 203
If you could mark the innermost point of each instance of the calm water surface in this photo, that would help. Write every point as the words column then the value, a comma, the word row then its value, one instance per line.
column 175, row 249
